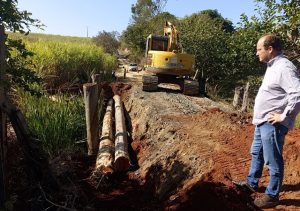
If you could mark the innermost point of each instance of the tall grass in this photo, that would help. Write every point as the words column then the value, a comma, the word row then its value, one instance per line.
column 63, row 61
column 58, row 123
column 37, row 37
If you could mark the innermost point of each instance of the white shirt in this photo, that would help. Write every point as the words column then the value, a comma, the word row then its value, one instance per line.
column 279, row 92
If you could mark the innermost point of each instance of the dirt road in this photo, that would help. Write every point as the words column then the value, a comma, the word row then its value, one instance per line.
column 189, row 149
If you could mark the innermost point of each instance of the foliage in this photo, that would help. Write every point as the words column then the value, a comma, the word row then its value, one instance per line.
column 58, row 122
column 224, row 56
column 205, row 38
column 283, row 17
column 297, row 122
column 19, row 72
column 37, row 37
column 108, row 41
column 216, row 16
column 156, row 24
column 242, row 50
column 60, row 64
column 136, row 34
column 15, row 20
column 145, row 10
column 147, row 18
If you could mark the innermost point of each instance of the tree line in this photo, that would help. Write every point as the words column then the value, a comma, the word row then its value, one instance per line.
column 225, row 53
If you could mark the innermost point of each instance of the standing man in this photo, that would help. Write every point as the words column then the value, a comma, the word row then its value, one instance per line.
column 276, row 106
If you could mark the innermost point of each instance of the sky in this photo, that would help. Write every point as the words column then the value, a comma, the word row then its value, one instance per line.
column 84, row 18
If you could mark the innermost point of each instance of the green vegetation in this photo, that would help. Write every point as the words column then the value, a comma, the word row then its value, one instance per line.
column 19, row 72
column 63, row 61
column 68, row 63
column 109, row 41
column 147, row 18
column 57, row 121
column 18, row 68
column 297, row 122
column 36, row 37
column 51, row 61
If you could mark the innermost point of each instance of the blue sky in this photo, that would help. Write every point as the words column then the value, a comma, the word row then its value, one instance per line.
column 76, row 17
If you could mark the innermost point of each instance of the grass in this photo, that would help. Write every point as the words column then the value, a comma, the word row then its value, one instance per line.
column 37, row 37
column 297, row 122
column 61, row 61
column 58, row 123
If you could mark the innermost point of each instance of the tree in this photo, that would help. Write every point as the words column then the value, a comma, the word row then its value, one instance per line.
column 15, row 20
column 282, row 17
column 136, row 34
column 19, row 71
column 147, row 18
column 203, row 36
column 242, row 53
column 108, row 41
column 225, row 56
column 144, row 10
column 215, row 15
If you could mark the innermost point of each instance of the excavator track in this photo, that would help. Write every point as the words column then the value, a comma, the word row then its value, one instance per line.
column 190, row 87
column 150, row 83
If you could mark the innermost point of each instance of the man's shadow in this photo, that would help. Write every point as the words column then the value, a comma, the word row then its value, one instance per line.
column 289, row 187
column 290, row 202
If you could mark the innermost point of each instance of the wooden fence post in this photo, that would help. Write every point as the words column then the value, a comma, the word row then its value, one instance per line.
column 237, row 97
column 91, row 97
column 3, row 126
column 245, row 103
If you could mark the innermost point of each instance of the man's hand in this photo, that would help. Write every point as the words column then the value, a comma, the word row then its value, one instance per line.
column 274, row 117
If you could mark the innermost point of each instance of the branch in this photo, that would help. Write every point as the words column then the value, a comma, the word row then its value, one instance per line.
column 54, row 204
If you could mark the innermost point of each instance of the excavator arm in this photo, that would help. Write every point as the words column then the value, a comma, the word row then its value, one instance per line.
column 171, row 32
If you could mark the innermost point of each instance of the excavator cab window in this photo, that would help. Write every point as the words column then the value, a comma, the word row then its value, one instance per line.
column 157, row 43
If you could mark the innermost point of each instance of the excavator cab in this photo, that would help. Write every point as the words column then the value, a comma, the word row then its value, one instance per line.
column 156, row 43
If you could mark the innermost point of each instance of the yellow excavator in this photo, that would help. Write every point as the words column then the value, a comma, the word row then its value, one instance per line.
column 166, row 63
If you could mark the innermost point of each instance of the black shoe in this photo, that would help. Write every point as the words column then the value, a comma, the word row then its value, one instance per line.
column 244, row 185
column 266, row 201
